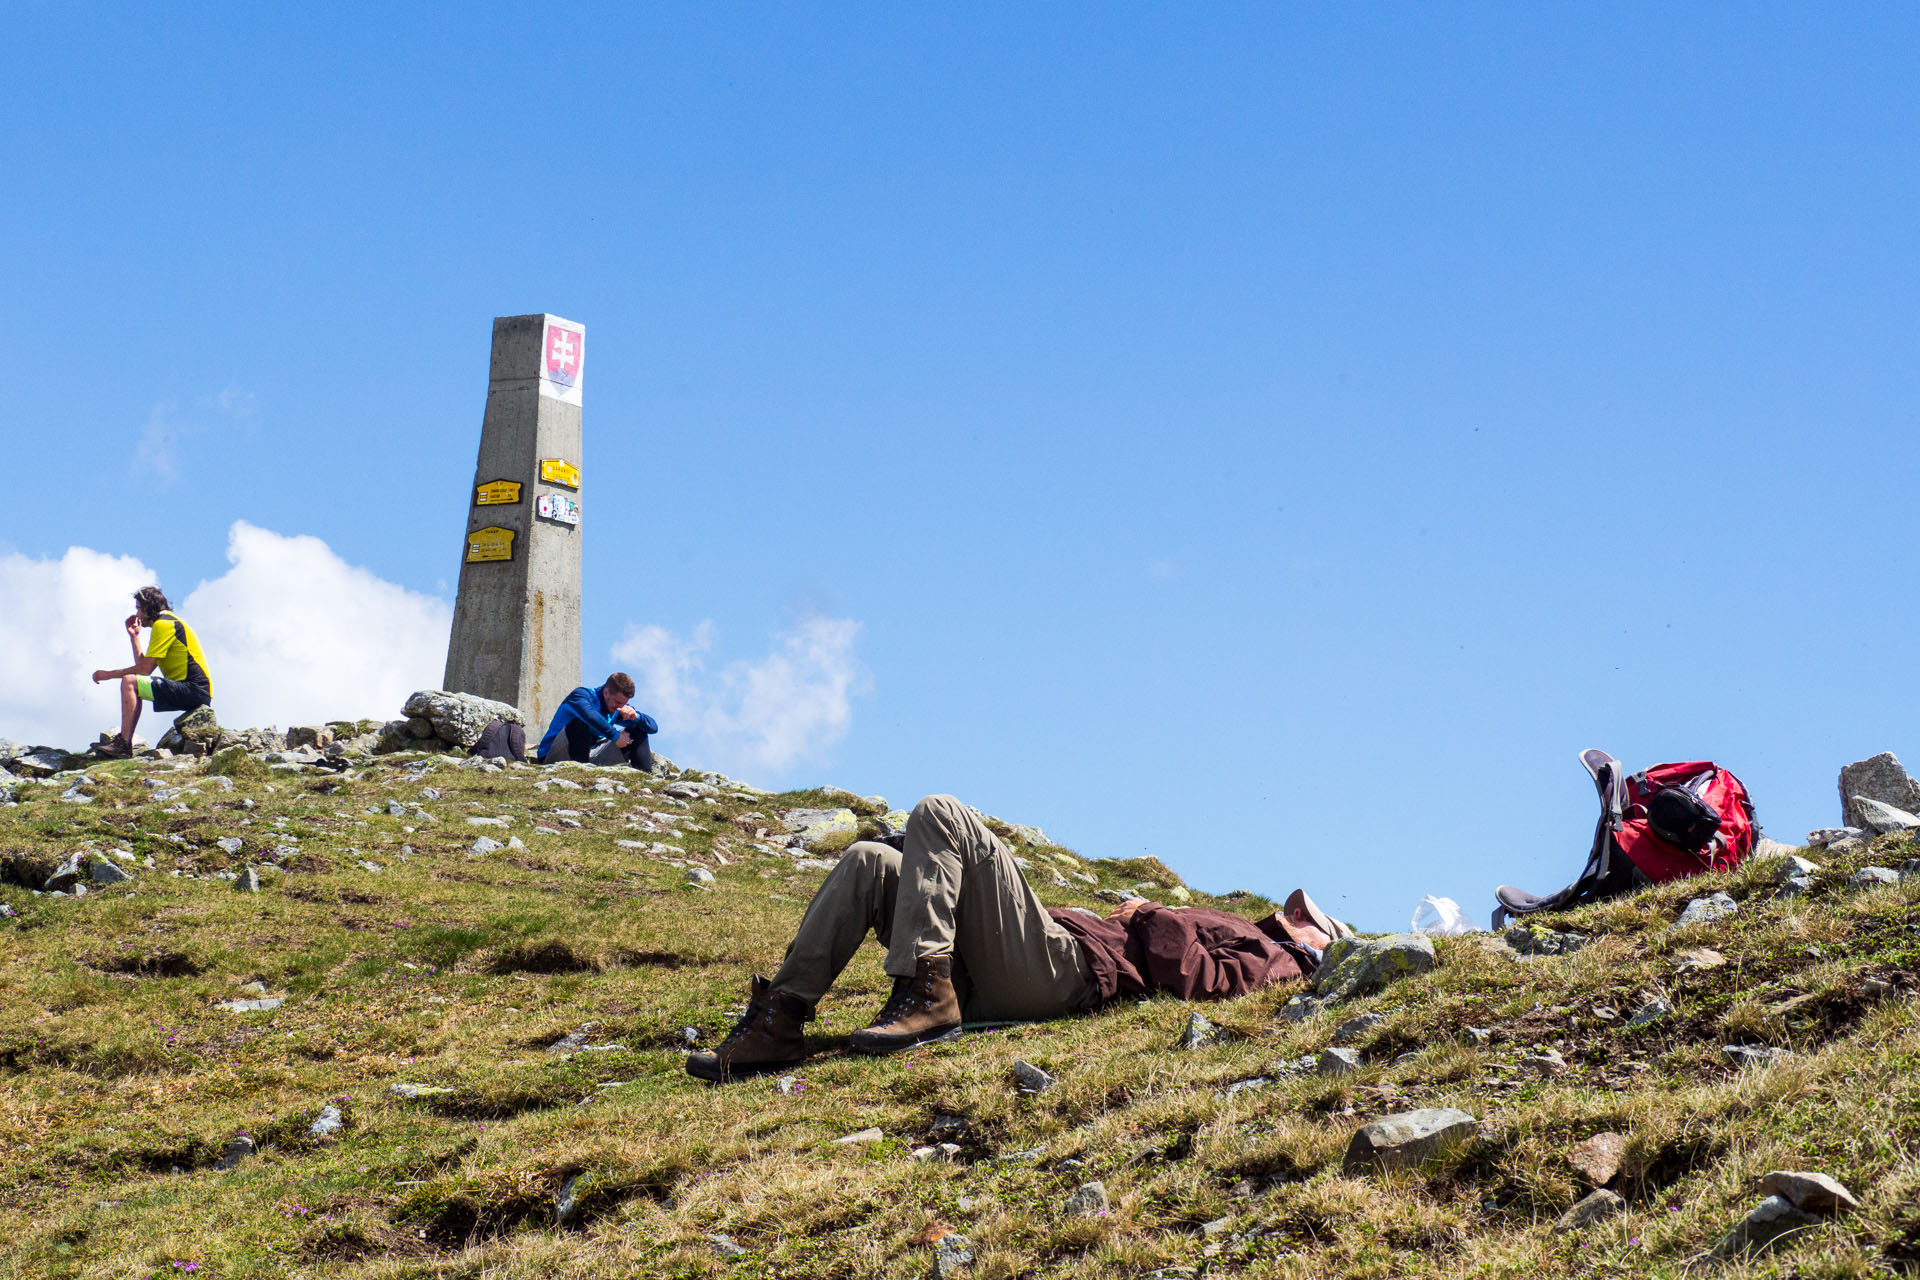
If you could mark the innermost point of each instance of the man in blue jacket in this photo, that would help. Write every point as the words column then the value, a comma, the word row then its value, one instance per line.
column 596, row 726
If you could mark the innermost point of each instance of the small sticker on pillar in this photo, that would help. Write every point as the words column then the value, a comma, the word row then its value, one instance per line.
column 496, row 493
column 490, row 543
column 558, row 507
column 560, row 471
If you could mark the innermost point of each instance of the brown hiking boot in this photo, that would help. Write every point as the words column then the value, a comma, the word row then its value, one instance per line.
column 116, row 749
column 922, row 1008
column 768, row 1037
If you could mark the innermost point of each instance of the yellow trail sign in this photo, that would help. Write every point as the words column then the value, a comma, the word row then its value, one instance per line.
column 560, row 471
column 490, row 543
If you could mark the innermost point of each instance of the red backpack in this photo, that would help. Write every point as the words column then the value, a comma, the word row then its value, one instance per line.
column 1662, row 823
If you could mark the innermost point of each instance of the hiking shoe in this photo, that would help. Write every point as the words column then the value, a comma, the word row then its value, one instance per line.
column 117, row 749
column 921, row 1009
column 770, row 1036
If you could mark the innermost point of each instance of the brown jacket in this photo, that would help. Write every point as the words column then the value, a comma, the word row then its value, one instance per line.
column 1192, row 952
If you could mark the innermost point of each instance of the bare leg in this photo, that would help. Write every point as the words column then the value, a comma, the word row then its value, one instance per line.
column 129, row 706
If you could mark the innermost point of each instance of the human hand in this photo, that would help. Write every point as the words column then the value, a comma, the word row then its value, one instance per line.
column 625, row 740
column 1129, row 909
column 98, row 676
column 628, row 713
column 133, row 625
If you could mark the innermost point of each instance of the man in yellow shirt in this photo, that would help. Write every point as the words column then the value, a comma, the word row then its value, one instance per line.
column 173, row 650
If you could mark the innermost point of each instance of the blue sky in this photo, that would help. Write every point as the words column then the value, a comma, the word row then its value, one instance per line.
column 1273, row 438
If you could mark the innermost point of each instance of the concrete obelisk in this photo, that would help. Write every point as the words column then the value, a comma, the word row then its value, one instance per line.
column 516, row 622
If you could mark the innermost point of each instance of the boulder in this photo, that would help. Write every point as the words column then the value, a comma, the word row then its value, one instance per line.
column 106, row 871
column 1765, row 849
column 1408, row 1139
column 952, row 1255
column 1771, row 1219
column 67, row 874
column 1029, row 1078
column 1808, row 1191
column 1873, row 877
column 458, row 718
column 1088, row 1201
column 1706, row 910
column 822, row 830
column 1880, row 778
column 1883, row 819
column 1357, row 1027
column 1337, row 1062
column 1598, row 1206
column 43, row 762
column 1199, row 1032
column 1598, row 1158
column 1353, row 966
column 319, row 737
column 1537, row 940
column 195, row 733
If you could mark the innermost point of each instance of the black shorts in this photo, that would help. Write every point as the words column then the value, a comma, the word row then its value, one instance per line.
column 177, row 695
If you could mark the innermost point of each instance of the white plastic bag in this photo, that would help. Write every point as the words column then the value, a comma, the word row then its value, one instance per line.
column 1440, row 918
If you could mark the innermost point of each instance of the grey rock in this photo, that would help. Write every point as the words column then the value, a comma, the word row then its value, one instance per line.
column 1884, row 819
column 1355, row 1028
column 484, row 845
column 67, row 874
column 819, row 829
column 229, row 844
column 484, row 822
column 1790, row 866
column 1753, row 1055
column 1827, row 836
column 237, row 1150
column 1651, row 1010
column 1808, row 1191
column 1088, row 1201
column 1598, row 1206
column 952, row 1254
column 458, row 718
column 1545, row 1064
column 1354, row 966
column 860, row 1138
column 41, row 762
column 1873, row 877
column 105, row 872
column 327, row 1123
column 1199, row 1032
column 1299, row 1008
column 413, row 1092
column 1029, row 1078
column 261, row 1005
column 247, row 881
column 726, row 1246
column 1880, row 778
column 1716, row 906
column 1338, row 1062
column 1770, row 1220
column 1242, row 1086
column 1408, row 1139
column 74, row 795
column 1794, row 886
column 700, row 877
column 567, row 1200
column 516, row 844
column 1766, row 849
column 1698, row 961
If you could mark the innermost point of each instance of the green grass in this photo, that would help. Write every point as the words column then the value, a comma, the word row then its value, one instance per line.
column 124, row 1082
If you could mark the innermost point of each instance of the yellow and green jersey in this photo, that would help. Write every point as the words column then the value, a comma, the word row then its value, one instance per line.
column 174, row 646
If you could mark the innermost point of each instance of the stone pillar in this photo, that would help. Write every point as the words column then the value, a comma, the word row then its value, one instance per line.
column 516, row 621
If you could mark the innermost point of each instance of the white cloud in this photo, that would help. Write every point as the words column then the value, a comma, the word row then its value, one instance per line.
column 293, row 634
column 755, row 716
column 296, row 635
column 158, row 448
column 60, row 620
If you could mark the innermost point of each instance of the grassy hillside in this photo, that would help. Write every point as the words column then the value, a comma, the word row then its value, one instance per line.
column 404, row 960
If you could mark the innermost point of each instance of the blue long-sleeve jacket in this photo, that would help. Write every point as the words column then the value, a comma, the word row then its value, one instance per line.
column 583, row 704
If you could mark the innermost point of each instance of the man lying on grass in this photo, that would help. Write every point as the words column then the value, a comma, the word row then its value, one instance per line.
column 967, row 939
